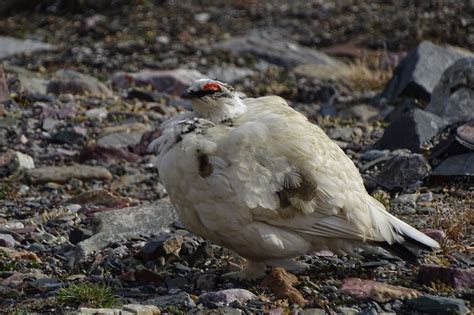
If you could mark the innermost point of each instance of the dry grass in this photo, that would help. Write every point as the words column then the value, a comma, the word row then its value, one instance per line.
column 456, row 221
column 370, row 72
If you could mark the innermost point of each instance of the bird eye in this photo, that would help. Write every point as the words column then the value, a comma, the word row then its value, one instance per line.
column 211, row 87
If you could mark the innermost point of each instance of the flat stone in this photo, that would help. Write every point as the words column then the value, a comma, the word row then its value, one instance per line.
column 273, row 49
column 432, row 304
column 378, row 291
column 139, row 309
column 229, row 73
column 69, row 81
column 180, row 300
column 226, row 297
column 412, row 130
column 62, row 174
column 122, row 136
column 10, row 46
column 418, row 73
column 455, row 277
column 169, row 81
column 118, row 225
column 144, row 219
column 100, row 311
column 453, row 96
column 455, row 165
column 403, row 171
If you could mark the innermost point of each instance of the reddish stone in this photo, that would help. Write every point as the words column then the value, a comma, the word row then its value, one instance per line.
column 455, row 277
column 377, row 291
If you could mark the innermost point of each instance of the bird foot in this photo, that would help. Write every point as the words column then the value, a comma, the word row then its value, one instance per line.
column 252, row 271
column 291, row 265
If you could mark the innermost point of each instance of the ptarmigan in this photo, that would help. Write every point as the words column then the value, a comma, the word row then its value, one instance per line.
column 255, row 176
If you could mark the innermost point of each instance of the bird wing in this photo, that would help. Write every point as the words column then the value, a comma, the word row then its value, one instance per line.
column 292, row 175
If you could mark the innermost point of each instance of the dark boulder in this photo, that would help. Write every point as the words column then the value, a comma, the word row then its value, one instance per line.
column 453, row 96
column 417, row 74
column 411, row 130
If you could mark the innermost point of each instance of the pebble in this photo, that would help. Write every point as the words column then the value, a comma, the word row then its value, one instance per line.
column 163, row 245
column 6, row 240
column 226, row 297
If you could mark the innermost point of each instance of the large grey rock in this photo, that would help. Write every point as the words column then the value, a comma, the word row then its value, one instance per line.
column 431, row 304
column 69, row 81
column 453, row 96
column 143, row 220
column 275, row 50
column 120, row 224
column 403, row 171
column 456, row 165
column 169, row 81
column 229, row 73
column 417, row 75
column 411, row 130
column 10, row 46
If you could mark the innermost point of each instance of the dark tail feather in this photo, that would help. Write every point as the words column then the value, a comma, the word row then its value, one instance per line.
column 405, row 250
column 401, row 251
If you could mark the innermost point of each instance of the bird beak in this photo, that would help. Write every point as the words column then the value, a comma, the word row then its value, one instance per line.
column 188, row 94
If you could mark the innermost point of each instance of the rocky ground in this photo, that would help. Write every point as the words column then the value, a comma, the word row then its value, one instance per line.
column 84, row 221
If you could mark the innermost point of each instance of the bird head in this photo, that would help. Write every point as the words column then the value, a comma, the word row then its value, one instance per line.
column 214, row 100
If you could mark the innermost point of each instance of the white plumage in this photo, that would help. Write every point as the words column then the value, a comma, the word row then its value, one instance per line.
column 255, row 176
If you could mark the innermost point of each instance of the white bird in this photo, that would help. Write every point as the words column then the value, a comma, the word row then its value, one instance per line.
column 255, row 176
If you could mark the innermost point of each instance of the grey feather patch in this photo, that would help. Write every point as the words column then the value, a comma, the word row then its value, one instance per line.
column 205, row 168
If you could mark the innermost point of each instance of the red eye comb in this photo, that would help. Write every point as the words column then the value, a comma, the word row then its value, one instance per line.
column 211, row 87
